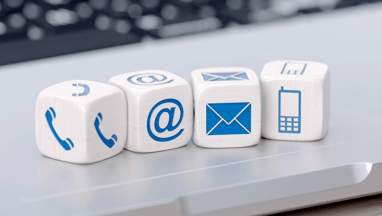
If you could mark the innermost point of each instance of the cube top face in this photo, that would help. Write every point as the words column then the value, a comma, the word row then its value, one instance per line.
column 227, row 107
column 82, row 123
column 295, row 100
column 83, row 91
column 294, row 70
column 146, row 80
column 223, row 76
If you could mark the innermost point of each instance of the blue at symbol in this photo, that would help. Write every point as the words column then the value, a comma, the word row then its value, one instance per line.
column 149, row 79
column 170, row 125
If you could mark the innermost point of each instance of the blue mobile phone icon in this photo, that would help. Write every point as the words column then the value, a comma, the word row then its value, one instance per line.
column 50, row 115
column 108, row 142
column 289, row 111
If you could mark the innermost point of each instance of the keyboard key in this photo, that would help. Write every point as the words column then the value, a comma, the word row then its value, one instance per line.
column 35, row 33
column 57, row 2
column 295, row 124
column 84, row 10
column 170, row 12
column 282, row 128
column 122, row 26
column 103, row 22
column 149, row 22
column 3, row 28
column 282, row 119
column 295, row 119
column 289, row 124
column 134, row 11
column 289, row 119
column 16, row 21
column 32, row 11
column 98, row 4
column 61, row 17
column 13, row 3
column 282, row 123
column 150, row 4
column 289, row 129
column 207, row 11
column 119, row 6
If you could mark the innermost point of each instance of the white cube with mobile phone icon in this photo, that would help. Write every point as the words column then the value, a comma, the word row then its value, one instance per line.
column 81, row 121
column 159, row 108
column 295, row 100
column 227, row 105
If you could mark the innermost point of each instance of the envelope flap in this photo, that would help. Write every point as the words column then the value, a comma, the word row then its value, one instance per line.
column 207, row 76
column 224, row 76
column 228, row 111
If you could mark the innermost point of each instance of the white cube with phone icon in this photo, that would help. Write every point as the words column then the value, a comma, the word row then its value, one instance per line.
column 159, row 108
column 81, row 121
column 295, row 100
column 227, row 107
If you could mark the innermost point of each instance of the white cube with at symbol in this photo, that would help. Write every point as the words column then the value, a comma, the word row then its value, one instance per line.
column 159, row 109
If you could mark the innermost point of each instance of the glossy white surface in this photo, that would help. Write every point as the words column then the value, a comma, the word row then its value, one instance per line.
column 32, row 184
column 227, row 104
column 75, row 119
column 159, row 109
column 295, row 100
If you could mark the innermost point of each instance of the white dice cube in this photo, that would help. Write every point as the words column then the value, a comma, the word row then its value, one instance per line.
column 81, row 121
column 295, row 100
column 159, row 107
column 227, row 105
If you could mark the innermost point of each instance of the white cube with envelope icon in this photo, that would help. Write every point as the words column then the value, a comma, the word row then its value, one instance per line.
column 295, row 100
column 227, row 104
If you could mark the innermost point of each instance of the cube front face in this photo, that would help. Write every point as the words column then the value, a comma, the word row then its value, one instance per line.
column 227, row 107
column 160, row 111
column 295, row 100
column 81, row 121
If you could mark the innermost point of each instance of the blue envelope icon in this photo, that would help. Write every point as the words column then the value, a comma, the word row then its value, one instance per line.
column 228, row 118
column 224, row 76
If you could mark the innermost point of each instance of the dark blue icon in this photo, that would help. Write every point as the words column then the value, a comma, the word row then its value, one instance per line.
column 149, row 79
column 86, row 89
column 289, row 111
column 228, row 118
column 170, row 125
column 294, row 68
column 50, row 115
column 108, row 142
column 224, row 76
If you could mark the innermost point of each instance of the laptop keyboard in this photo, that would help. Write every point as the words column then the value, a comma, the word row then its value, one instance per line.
column 33, row 29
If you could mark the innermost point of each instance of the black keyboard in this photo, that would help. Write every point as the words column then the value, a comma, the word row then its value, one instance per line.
column 33, row 29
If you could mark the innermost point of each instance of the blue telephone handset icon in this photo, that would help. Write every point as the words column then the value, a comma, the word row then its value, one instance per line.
column 108, row 142
column 86, row 89
column 50, row 115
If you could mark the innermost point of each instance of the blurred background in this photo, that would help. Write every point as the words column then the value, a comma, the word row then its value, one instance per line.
column 34, row 29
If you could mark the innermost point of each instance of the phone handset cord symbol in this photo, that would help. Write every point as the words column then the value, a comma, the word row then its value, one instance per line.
column 108, row 142
column 50, row 115
column 86, row 89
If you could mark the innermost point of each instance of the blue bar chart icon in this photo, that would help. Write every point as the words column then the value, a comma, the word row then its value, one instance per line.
column 289, row 111
column 294, row 68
